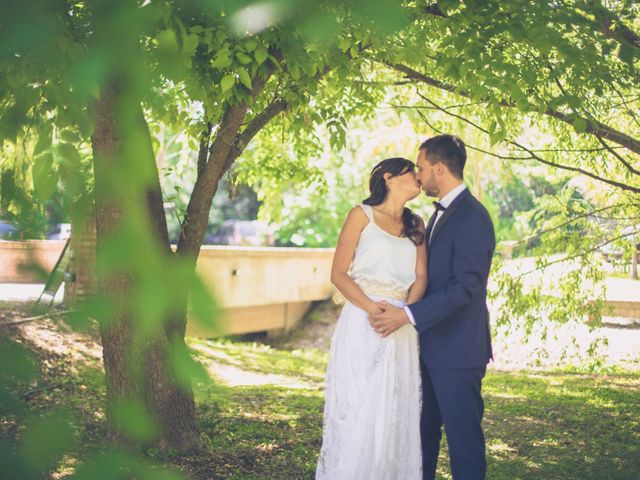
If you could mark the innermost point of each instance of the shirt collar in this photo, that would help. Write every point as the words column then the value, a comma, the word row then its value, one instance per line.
column 451, row 196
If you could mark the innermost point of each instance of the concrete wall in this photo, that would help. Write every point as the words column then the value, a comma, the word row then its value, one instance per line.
column 260, row 289
column 28, row 261
column 263, row 288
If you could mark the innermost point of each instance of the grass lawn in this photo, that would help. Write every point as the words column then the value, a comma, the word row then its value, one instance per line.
column 539, row 425
column 551, row 425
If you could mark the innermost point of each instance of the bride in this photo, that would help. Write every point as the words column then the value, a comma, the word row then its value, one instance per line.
column 372, row 387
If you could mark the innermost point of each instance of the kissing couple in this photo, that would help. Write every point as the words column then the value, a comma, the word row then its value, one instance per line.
column 412, row 342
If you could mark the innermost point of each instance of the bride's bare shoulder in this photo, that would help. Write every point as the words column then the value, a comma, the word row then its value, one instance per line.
column 356, row 220
column 357, row 215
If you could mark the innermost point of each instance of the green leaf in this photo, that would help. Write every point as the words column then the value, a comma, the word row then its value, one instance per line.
column 243, row 58
column 245, row 78
column 573, row 101
column 69, row 153
column 626, row 53
column 168, row 41
column 45, row 440
column 190, row 44
column 135, row 419
column 45, row 177
column 261, row 55
column 184, row 367
column 452, row 71
column 222, row 59
column 44, row 142
column 579, row 124
column 70, row 136
column 227, row 82
column 344, row 44
column 250, row 45
column 543, row 107
column 496, row 137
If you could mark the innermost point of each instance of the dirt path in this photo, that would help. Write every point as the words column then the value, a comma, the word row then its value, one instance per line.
column 562, row 346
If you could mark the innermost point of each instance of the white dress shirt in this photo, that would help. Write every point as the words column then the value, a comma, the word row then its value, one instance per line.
column 445, row 202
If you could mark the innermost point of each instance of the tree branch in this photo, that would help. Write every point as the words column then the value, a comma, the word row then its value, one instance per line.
column 204, row 148
column 625, row 103
column 612, row 27
column 197, row 214
column 591, row 213
column 609, row 24
column 251, row 130
column 533, row 155
column 608, row 181
column 434, row 9
column 580, row 254
column 620, row 158
column 599, row 137
column 258, row 123
column 593, row 127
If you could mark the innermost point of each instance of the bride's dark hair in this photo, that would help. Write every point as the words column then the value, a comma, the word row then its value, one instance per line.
column 396, row 166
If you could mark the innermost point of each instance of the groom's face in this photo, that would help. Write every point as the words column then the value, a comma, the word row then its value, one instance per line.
column 426, row 174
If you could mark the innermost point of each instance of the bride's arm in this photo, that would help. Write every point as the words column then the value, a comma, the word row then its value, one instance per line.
column 416, row 292
column 345, row 250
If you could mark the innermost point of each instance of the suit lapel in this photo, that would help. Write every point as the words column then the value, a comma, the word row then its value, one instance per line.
column 451, row 209
column 429, row 227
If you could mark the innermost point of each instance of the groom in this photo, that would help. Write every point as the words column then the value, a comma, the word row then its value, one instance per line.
column 452, row 319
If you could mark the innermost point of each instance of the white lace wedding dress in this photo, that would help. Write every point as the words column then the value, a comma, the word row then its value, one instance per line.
column 372, row 388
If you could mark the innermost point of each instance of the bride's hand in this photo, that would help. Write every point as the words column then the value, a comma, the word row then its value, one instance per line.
column 382, row 305
column 375, row 308
column 378, row 307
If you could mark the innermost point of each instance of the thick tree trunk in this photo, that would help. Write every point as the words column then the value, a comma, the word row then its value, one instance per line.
column 136, row 368
column 175, row 405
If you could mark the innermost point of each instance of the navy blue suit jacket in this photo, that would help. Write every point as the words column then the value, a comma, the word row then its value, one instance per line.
column 452, row 318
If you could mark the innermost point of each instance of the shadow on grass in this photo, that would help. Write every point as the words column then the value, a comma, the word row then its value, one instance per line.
column 542, row 426
column 306, row 365
column 552, row 425
column 562, row 426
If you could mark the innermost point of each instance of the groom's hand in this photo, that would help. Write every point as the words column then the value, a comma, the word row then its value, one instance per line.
column 390, row 320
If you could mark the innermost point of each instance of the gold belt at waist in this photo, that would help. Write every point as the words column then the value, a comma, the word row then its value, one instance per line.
column 371, row 289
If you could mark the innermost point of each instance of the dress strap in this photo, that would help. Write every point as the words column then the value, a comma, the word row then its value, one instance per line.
column 368, row 211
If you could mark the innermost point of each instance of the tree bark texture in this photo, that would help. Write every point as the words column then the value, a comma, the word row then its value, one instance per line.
column 136, row 368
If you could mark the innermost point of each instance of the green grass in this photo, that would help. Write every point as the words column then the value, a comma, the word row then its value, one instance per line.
column 551, row 425
column 308, row 365
column 563, row 425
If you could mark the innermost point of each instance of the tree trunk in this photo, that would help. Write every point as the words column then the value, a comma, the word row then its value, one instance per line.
column 136, row 368
column 224, row 149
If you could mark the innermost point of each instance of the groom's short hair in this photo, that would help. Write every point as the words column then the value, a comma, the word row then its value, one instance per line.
column 447, row 149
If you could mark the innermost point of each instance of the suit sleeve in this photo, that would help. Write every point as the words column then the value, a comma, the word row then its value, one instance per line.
column 473, row 247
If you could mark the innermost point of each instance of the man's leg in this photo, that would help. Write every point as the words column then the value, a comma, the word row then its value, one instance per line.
column 461, row 407
column 430, row 426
